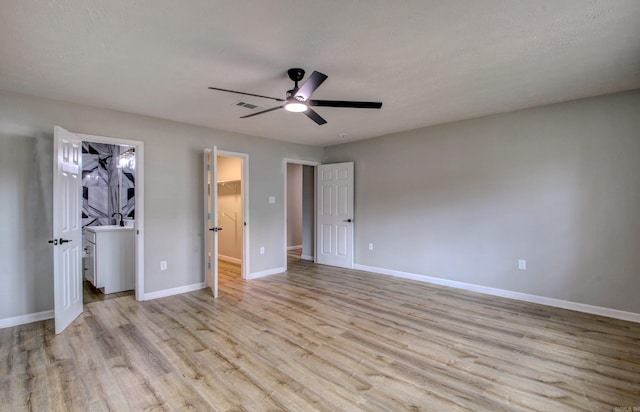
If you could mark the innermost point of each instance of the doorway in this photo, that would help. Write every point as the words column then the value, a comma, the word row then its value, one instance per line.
column 68, row 193
column 131, row 158
column 226, row 217
column 299, row 209
column 108, row 201
column 230, row 213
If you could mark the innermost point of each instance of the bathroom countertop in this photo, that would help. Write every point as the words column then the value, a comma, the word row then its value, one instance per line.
column 109, row 228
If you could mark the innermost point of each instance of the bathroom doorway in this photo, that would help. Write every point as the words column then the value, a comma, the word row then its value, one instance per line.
column 108, row 219
column 68, row 193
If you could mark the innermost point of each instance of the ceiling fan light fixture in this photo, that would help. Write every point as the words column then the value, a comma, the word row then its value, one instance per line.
column 295, row 107
column 298, row 99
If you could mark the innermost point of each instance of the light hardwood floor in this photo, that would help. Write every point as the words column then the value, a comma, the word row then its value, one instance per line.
column 91, row 294
column 320, row 338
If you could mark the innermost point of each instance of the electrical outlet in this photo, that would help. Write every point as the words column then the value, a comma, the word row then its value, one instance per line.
column 371, row 246
column 262, row 250
column 163, row 265
column 272, row 199
column 522, row 264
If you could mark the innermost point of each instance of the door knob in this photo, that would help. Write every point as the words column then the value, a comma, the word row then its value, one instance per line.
column 215, row 229
column 64, row 241
column 54, row 241
column 348, row 220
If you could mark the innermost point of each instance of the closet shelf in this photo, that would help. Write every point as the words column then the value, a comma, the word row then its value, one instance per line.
column 228, row 181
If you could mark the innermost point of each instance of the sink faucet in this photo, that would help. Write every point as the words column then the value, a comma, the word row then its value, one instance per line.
column 121, row 218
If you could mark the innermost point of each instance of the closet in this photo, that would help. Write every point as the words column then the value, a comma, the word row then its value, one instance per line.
column 230, row 217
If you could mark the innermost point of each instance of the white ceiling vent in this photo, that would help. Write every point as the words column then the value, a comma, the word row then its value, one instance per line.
column 249, row 106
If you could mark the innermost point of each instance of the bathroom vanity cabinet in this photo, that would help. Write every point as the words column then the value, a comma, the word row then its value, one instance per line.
column 111, row 265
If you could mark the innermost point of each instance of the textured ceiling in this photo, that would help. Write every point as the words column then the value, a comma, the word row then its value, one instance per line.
column 430, row 62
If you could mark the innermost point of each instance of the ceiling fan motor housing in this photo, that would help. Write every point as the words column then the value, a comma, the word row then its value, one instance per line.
column 296, row 75
column 291, row 96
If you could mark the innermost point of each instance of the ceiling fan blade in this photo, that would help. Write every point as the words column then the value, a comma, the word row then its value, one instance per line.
column 311, row 114
column 310, row 85
column 247, row 94
column 264, row 111
column 343, row 103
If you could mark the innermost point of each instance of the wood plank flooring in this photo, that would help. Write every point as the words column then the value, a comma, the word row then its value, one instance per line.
column 321, row 338
column 92, row 294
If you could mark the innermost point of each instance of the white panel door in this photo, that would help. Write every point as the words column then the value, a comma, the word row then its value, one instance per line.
column 335, row 214
column 67, row 227
column 211, row 220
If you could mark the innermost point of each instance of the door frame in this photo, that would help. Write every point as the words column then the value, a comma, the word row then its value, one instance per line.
column 301, row 162
column 244, row 196
column 210, row 197
column 213, row 198
column 139, row 202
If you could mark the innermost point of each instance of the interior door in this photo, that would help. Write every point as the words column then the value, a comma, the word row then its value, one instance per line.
column 211, row 220
column 335, row 214
column 67, row 227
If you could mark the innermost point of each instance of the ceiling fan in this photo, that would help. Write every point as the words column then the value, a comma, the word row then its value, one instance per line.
column 298, row 98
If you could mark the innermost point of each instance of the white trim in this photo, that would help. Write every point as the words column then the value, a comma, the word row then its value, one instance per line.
column 542, row 300
column 267, row 272
column 301, row 162
column 306, row 257
column 294, row 247
column 174, row 291
column 244, row 261
column 139, row 201
column 229, row 259
column 206, row 238
column 285, row 162
column 24, row 319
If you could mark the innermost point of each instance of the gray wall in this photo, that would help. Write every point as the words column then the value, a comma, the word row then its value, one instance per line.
column 173, row 194
column 26, row 207
column 294, row 204
column 557, row 185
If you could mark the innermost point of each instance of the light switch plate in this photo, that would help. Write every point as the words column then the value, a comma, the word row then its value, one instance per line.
column 272, row 199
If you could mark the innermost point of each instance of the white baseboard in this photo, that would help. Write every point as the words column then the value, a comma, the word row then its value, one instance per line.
column 24, row 319
column 294, row 247
column 542, row 300
column 174, row 291
column 306, row 257
column 230, row 259
column 264, row 273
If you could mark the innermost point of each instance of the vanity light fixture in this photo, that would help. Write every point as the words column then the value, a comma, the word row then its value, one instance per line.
column 127, row 159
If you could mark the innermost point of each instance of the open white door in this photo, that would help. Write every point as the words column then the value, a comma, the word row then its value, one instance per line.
column 67, row 227
column 334, row 228
column 211, row 220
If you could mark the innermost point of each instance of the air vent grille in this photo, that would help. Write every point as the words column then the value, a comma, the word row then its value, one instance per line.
column 247, row 105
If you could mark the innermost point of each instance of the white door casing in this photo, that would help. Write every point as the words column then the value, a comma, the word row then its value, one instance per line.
column 139, row 201
column 211, row 220
column 67, row 227
column 244, row 199
column 334, row 214
column 313, row 164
